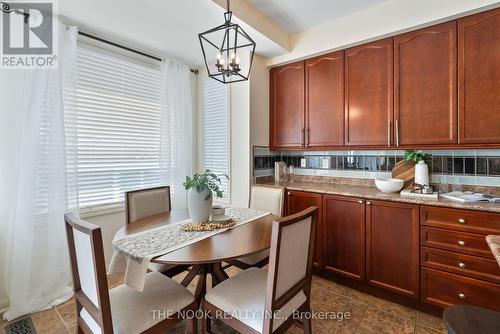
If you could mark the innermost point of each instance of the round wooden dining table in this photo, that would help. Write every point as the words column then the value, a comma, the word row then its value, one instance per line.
column 206, row 256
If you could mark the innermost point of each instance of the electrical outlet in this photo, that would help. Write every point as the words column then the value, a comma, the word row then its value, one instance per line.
column 303, row 162
column 325, row 163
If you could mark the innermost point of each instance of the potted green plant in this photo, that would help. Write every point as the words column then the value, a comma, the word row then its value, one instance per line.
column 417, row 155
column 421, row 167
column 405, row 169
column 201, row 187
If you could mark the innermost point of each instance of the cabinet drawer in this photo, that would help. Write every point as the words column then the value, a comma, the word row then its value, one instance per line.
column 461, row 264
column 444, row 289
column 467, row 243
column 460, row 220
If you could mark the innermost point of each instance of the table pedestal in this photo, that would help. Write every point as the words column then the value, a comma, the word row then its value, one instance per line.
column 202, row 270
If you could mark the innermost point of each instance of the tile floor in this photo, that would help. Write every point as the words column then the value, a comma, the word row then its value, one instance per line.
column 368, row 314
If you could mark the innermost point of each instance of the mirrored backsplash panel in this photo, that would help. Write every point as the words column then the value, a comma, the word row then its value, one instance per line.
column 473, row 167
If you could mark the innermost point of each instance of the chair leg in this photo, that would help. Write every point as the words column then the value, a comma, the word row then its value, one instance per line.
column 205, row 324
column 192, row 326
column 206, row 321
column 306, row 320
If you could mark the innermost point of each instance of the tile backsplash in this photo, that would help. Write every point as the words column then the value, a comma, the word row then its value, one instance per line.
column 475, row 167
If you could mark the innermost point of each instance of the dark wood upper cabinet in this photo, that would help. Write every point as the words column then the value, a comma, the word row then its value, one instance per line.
column 392, row 246
column 425, row 86
column 479, row 77
column 325, row 100
column 344, row 229
column 369, row 94
column 287, row 106
column 298, row 201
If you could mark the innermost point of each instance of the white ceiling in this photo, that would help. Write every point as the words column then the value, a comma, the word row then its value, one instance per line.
column 298, row 15
column 163, row 27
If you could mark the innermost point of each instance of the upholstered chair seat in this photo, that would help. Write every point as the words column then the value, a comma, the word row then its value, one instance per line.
column 254, row 258
column 132, row 311
column 247, row 292
column 264, row 199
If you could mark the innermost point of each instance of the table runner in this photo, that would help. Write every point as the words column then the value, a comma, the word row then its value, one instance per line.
column 134, row 252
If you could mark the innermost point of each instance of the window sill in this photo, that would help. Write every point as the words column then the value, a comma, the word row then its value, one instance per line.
column 101, row 210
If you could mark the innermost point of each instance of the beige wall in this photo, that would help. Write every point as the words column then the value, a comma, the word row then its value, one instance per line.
column 259, row 102
column 386, row 19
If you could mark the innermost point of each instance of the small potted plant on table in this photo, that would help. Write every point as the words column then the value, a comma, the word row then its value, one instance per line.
column 201, row 187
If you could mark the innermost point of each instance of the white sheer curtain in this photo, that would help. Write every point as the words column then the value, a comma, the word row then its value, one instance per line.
column 38, row 271
column 176, row 128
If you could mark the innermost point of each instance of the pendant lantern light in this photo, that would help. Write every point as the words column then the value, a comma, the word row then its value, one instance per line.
column 222, row 48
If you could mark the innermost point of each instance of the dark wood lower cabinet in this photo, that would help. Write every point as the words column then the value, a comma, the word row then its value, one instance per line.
column 392, row 250
column 445, row 289
column 344, row 229
column 423, row 257
column 300, row 200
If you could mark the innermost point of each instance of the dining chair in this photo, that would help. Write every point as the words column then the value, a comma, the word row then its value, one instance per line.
column 264, row 199
column 269, row 301
column 147, row 202
column 122, row 309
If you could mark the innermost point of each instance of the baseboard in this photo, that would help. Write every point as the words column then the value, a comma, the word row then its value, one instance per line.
column 4, row 305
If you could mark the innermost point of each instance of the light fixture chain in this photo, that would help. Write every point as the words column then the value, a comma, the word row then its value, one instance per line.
column 227, row 5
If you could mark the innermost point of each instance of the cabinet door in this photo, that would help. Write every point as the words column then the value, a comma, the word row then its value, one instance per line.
column 392, row 250
column 325, row 100
column 369, row 94
column 479, row 77
column 425, row 86
column 344, row 227
column 298, row 201
column 287, row 106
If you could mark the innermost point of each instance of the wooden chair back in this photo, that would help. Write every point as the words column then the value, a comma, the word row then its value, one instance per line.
column 267, row 199
column 89, row 275
column 146, row 202
column 290, row 260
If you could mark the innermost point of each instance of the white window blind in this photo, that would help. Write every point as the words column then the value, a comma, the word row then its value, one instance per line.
column 216, row 142
column 117, row 107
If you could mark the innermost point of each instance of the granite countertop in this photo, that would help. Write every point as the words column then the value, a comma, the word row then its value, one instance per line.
column 373, row 193
column 494, row 243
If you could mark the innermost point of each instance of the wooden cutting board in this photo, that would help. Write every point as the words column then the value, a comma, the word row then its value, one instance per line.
column 404, row 170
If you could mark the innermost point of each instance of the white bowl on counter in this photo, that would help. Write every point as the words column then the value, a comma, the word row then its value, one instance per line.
column 389, row 185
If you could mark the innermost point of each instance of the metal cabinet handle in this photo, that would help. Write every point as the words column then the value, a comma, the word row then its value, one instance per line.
column 289, row 193
column 360, row 201
column 461, row 295
column 461, row 265
column 307, row 137
column 368, row 203
column 389, row 133
column 461, row 242
column 302, row 137
column 461, row 221
column 397, row 133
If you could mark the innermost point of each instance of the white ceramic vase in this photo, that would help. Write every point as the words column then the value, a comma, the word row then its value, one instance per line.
column 422, row 173
column 199, row 205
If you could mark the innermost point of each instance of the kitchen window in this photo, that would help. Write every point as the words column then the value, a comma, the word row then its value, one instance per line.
column 117, row 110
column 215, row 129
